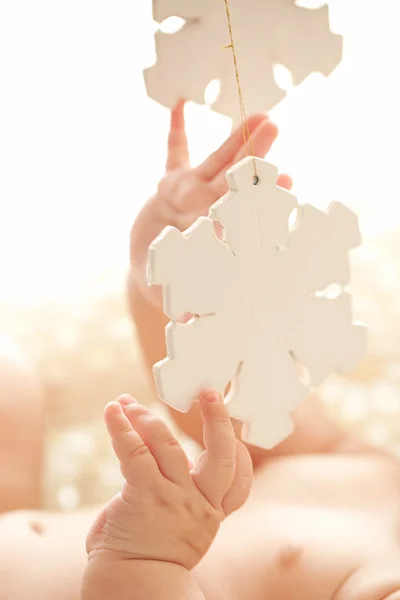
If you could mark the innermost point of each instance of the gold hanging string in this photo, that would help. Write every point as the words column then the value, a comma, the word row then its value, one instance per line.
column 245, row 125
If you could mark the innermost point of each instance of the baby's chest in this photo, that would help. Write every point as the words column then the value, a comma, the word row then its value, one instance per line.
column 310, row 551
column 288, row 552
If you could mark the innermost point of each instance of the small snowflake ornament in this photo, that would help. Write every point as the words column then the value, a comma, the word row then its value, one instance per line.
column 267, row 33
column 260, row 302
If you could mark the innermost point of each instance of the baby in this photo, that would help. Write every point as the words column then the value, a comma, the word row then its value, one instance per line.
column 322, row 521
column 321, row 529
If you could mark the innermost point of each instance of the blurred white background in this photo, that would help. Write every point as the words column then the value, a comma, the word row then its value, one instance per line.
column 82, row 147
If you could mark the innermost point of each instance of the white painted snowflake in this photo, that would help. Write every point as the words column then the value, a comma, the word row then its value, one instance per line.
column 259, row 300
column 267, row 33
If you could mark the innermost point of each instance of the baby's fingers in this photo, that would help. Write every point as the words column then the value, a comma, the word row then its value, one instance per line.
column 137, row 463
column 242, row 483
column 162, row 444
column 285, row 181
column 215, row 471
column 178, row 152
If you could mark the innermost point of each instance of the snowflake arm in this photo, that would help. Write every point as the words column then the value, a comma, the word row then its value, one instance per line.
column 330, row 319
column 181, row 70
column 308, row 34
column 334, row 234
column 198, row 358
column 234, row 209
column 177, row 262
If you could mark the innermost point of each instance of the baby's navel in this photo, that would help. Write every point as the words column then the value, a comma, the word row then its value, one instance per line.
column 289, row 555
column 37, row 527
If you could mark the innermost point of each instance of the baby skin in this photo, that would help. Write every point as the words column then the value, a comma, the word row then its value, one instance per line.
column 178, row 531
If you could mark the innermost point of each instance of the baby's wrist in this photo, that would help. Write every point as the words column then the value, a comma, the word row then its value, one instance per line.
column 110, row 576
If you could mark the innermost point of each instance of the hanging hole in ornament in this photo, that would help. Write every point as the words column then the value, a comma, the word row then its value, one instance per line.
column 37, row 527
column 256, row 180
column 331, row 292
column 232, row 387
column 172, row 25
column 303, row 373
column 212, row 92
column 283, row 77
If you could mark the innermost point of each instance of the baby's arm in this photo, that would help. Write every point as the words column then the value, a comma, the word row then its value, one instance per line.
column 142, row 580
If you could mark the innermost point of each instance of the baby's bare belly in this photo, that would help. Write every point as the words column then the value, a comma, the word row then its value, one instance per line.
column 307, row 526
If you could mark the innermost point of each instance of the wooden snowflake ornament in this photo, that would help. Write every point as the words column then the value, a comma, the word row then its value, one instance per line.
column 267, row 33
column 259, row 296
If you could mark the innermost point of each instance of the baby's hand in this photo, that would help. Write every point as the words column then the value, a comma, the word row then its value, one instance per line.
column 186, row 193
column 167, row 512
